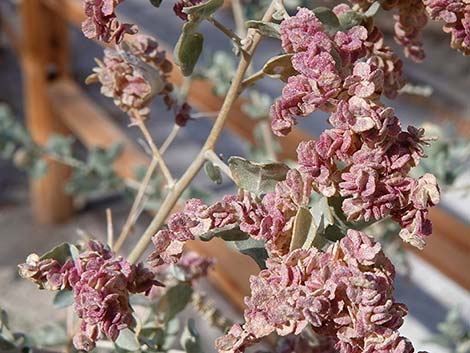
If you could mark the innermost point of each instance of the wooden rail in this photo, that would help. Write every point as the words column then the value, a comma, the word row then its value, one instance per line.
column 69, row 107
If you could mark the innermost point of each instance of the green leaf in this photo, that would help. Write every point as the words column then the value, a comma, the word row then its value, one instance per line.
column 267, row 29
column 255, row 249
column 175, row 300
column 280, row 67
column 259, row 178
column 190, row 339
column 156, row 3
column 203, row 10
column 227, row 233
column 188, row 48
column 128, row 340
column 63, row 299
column 213, row 172
column 61, row 253
column 328, row 18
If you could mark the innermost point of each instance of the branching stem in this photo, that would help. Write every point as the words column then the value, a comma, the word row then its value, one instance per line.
column 174, row 194
column 136, row 207
column 227, row 31
column 249, row 81
column 156, row 153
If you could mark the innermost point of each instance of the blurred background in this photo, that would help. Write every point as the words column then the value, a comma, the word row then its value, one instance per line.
column 434, row 282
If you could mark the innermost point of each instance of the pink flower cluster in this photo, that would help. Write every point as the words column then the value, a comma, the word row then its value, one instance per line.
column 101, row 283
column 270, row 218
column 456, row 15
column 195, row 266
column 409, row 24
column 329, row 70
column 344, row 294
column 297, row 344
column 102, row 23
column 180, row 5
column 366, row 158
column 134, row 77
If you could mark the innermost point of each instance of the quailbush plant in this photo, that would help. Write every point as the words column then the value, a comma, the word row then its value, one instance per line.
column 325, row 285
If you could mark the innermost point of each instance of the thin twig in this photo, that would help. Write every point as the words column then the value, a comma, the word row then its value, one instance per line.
column 110, row 228
column 239, row 18
column 133, row 214
column 214, row 158
column 227, row 31
column 249, row 81
column 156, row 153
column 169, row 140
column 174, row 194
column 137, row 205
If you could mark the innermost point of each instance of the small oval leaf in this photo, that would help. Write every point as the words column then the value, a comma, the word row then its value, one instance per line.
column 63, row 299
column 280, row 67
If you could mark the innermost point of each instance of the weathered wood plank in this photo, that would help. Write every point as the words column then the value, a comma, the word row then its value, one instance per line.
column 43, row 46
column 90, row 124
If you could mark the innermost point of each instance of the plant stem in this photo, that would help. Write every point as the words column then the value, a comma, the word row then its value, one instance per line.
column 214, row 158
column 169, row 140
column 156, row 153
column 228, row 32
column 174, row 194
column 237, row 10
column 110, row 228
column 136, row 208
column 249, row 81
column 133, row 214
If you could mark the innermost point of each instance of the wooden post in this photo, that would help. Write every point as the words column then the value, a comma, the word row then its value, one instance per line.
column 44, row 57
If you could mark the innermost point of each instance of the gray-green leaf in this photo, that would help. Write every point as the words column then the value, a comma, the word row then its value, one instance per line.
column 304, row 233
column 188, row 49
column 213, row 172
column 259, row 178
column 128, row 340
column 156, row 3
column 267, row 29
column 61, row 253
column 203, row 10
column 255, row 249
column 280, row 67
column 328, row 18
column 227, row 233
column 175, row 300
column 63, row 299
column 190, row 339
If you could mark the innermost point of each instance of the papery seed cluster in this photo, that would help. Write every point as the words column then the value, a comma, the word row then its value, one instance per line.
column 456, row 15
column 269, row 218
column 102, row 23
column 344, row 294
column 101, row 283
column 134, row 74
column 366, row 156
